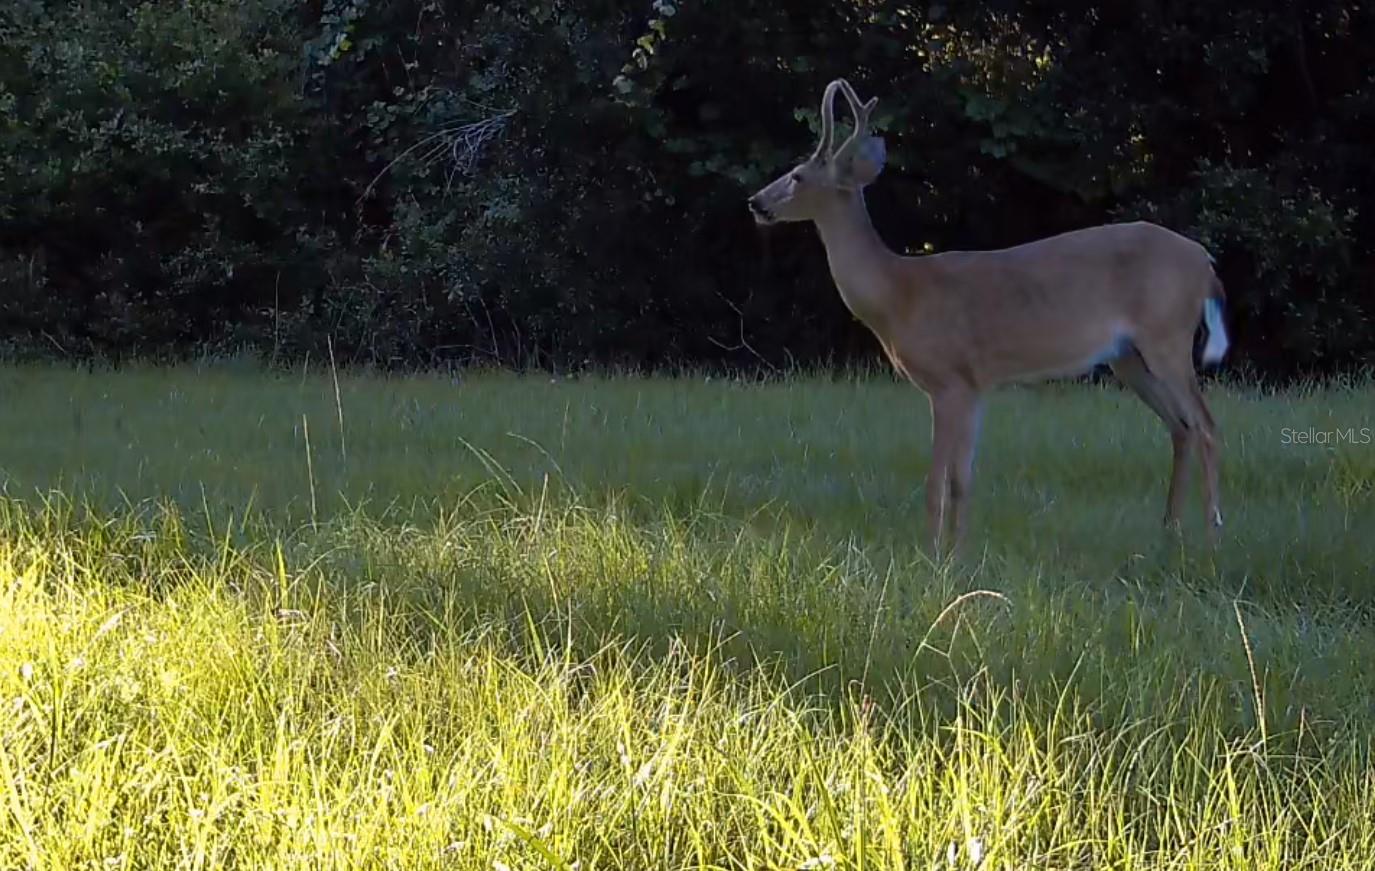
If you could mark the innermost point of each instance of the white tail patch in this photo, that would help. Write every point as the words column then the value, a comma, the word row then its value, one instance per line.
column 1216, row 347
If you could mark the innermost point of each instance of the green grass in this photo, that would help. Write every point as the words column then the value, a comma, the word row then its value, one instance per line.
column 503, row 621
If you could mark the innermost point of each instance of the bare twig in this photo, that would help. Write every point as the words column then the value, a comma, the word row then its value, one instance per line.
column 743, row 344
column 338, row 400
column 461, row 144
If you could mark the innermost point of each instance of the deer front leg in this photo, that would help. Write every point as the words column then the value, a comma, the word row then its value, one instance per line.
column 954, row 421
column 937, row 492
column 965, row 421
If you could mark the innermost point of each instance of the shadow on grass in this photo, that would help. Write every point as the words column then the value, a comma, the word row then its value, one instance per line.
column 844, row 621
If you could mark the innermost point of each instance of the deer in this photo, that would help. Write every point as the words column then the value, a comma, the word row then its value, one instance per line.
column 958, row 324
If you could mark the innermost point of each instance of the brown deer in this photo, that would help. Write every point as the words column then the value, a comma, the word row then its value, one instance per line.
column 957, row 324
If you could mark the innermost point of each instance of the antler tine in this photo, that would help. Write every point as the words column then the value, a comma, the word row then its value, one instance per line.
column 826, row 147
column 850, row 96
column 861, row 112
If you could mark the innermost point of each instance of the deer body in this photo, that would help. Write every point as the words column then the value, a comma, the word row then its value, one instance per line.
column 1051, row 308
column 960, row 323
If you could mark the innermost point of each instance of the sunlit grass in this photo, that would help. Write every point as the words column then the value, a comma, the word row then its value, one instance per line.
column 622, row 623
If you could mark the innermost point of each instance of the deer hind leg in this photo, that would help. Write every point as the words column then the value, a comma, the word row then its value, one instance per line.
column 1207, row 457
column 1176, row 413
column 1177, row 370
column 1175, row 373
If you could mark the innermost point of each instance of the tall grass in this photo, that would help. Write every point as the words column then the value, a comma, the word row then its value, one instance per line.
column 621, row 623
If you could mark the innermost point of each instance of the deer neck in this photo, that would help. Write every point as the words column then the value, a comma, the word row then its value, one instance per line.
column 861, row 264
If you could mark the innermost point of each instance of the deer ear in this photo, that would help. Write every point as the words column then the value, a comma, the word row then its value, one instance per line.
column 863, row 165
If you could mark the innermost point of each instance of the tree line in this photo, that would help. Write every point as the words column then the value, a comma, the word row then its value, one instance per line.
column 560, row 183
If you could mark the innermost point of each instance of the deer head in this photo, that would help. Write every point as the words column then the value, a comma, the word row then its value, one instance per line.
column 804, row 192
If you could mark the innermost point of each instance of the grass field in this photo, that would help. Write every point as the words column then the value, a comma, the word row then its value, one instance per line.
column 253, row 620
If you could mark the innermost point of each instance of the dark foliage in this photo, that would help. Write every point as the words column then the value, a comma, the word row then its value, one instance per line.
column 550, row 182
